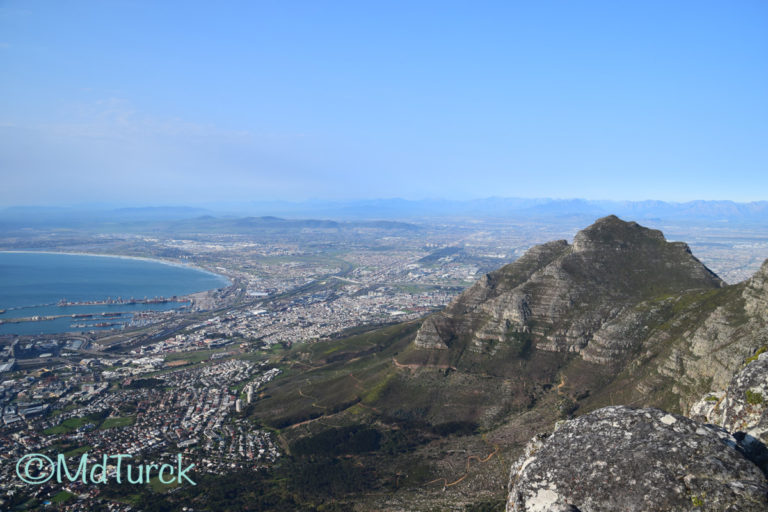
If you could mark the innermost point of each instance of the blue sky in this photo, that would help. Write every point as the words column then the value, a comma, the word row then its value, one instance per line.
column 193, row 102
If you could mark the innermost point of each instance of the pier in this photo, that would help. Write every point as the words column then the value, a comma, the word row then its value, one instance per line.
column 121, row 301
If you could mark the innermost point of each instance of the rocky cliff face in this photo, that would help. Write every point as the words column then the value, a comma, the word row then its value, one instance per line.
column 744, row 405
column 742, row 408
column 731, row 332
column 755, row 296
column 707, row 341
column 618, row 458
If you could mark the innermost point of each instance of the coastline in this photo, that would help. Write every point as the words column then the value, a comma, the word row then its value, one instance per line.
column 125, row 257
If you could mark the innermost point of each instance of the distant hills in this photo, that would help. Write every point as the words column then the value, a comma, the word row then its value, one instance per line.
column 520, row 208
column 542, row 209
column 173, row 220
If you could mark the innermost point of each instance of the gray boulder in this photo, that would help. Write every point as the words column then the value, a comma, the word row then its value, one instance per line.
column 620, row 458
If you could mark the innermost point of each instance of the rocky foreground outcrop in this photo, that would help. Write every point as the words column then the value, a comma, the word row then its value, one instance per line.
column 742, row 408
column 619, row 458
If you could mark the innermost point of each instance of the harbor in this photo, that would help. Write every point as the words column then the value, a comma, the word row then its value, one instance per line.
column 109, row 301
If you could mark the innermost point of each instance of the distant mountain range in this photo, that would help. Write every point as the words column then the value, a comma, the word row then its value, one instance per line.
column 543, row 209
column 498, row 207
column 174, row 220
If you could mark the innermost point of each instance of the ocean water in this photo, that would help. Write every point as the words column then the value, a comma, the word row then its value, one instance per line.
column 32, row 284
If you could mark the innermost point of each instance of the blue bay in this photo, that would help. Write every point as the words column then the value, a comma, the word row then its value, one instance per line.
column 32, row 284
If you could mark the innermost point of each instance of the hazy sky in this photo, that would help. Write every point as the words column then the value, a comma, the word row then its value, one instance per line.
column 190, row 102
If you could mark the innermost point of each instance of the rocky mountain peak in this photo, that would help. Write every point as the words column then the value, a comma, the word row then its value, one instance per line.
column 557, row 297
column 613, row 233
